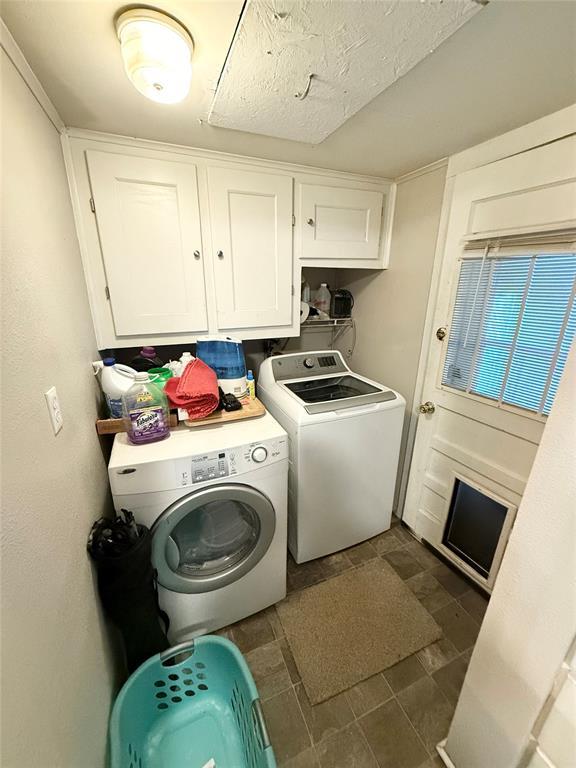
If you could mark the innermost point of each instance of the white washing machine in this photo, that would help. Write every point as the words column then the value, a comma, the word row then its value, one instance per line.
column 344, row 432
column 215, row 500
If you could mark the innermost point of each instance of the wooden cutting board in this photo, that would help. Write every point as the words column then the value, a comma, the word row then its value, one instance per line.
column 250, row 409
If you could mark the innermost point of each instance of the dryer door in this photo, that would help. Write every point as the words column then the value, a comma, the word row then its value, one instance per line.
column 212, row 537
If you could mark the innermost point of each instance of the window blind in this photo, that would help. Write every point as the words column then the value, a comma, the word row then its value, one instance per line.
column 564, row 239
column 513, row 321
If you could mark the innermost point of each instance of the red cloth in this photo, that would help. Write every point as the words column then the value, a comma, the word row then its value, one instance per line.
column 196, row 390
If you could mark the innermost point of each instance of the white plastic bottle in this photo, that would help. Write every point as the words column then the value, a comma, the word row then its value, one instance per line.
column 185, row 358
column 322, row 300
column 115, row 380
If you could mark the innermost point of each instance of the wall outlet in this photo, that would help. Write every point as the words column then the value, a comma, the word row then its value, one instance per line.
column 54, row 409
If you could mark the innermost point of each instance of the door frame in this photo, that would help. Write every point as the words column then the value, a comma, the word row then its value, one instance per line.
column 551, row 128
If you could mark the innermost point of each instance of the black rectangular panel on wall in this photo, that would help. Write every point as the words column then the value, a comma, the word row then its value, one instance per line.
column 473, row 527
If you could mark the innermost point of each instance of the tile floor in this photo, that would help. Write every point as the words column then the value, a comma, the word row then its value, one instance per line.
column 391, row 720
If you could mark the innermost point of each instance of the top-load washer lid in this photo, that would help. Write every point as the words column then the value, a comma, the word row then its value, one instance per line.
column 332, row 393
column 323, row 383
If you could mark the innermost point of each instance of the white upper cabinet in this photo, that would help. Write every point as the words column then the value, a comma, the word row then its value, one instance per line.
column 148, row 221
column 251, row 224
column 179, row 242
column 339, row 226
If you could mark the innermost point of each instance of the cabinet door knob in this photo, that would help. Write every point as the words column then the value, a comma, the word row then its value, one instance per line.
column 310, row 221
column 196, row 255
column 220, row 254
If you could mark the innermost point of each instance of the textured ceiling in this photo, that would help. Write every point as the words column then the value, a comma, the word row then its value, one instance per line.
column 514, row 62
column 299, row 69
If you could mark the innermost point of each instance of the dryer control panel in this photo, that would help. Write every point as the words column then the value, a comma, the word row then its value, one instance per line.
column 193, row 458
column 231, row 462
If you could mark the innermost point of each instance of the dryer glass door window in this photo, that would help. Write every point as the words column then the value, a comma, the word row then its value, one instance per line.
column 212, row 537
column 217, row 536
column 331, row 388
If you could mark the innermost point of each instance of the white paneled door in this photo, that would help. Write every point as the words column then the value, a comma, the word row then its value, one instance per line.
column 251, row 221
column 471, row 425
column 339, row 224
column 149, row 227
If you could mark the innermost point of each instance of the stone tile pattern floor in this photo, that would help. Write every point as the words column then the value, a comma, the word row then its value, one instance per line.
column 392, row 720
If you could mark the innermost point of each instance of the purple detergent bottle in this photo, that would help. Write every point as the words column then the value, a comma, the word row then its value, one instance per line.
column 145, row 410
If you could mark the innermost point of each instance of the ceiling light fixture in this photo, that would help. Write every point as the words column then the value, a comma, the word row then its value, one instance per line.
column 157, row 54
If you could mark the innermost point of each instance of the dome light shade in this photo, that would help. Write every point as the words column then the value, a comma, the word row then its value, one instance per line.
column 157, row 54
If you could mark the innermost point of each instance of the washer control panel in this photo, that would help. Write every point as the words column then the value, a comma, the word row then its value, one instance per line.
column 230, row 462
column 301, row 365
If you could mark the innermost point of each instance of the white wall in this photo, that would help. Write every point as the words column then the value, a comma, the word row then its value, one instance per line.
column 390, row 305
column 531, row 619
column 57, row 677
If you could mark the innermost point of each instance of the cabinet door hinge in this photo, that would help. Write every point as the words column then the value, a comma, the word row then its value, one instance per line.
column 293, row 220
column 107, row 292
column 292, row 290
column 92, row 206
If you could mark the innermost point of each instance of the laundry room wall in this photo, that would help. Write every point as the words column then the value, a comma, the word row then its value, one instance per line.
column 58, row 675
column 390, row 305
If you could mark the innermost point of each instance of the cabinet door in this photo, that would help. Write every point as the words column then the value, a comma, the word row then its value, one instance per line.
column 338, row 224
column 251, row 221
column 149, row 227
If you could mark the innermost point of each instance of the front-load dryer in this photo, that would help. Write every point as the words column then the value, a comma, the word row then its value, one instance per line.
column 215, row 499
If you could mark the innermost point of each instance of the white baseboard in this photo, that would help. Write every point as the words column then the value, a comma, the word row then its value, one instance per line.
column 441, row 749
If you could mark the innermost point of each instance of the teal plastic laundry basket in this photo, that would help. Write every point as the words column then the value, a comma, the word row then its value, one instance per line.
column 193, row 703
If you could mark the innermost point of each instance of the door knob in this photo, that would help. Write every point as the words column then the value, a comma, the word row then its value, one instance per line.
column 310, row 221
column 427, row 407
column 220, row 254
column 440, row 333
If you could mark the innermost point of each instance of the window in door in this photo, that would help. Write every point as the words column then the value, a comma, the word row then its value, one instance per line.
column 513, row 322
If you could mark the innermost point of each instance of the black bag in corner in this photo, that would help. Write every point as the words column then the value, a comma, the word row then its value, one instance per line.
column 127, row 587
